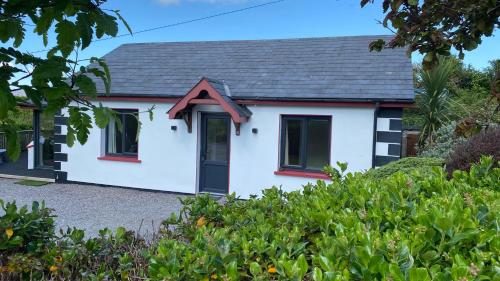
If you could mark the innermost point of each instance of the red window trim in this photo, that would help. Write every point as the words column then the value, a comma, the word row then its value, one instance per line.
column 302, row 174
column 120, row 159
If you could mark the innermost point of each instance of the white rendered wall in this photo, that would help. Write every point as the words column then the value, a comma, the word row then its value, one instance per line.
column 254, row 157
column 170, row 158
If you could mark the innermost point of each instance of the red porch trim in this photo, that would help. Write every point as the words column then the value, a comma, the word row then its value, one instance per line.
column 203, row 101
column 193, row 94
column 302, row 174
column 120, row 159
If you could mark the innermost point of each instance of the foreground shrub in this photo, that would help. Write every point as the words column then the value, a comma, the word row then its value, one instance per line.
column 468, row 153
column 354, row 228
column 421, row 165
column 351, row 229
column 23, row 231
column 30, row 250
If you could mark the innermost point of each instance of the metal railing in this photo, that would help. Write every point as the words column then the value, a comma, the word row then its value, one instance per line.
column 26, row 136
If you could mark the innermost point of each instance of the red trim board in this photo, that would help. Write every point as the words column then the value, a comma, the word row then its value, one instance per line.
column 302, row 174
column 120, row 159
column 263, row 102
column 139, row 99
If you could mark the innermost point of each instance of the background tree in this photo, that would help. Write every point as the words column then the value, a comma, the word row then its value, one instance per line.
column 53, row 81
column 433, row 27
column 433, row 99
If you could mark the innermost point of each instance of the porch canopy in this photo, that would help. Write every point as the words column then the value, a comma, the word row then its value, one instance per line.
column 209, row 92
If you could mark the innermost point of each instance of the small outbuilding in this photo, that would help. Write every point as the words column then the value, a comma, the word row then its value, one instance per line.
column 242, row 116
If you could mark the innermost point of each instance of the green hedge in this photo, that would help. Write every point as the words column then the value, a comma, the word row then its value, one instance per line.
column 355, row 228
column 421, row 165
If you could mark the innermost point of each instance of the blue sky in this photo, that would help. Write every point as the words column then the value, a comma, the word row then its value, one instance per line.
column 288, row 19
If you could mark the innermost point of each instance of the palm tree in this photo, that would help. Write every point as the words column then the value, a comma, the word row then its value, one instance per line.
column 433, row 98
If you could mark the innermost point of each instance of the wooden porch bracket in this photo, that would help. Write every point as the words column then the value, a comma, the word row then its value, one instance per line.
column 188, row 118
column 237, row 126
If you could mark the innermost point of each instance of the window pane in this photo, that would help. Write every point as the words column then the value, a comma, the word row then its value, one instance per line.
column 122, row 141
column 318, row 139
column 46, row 141
column 114, row 139
column 118, row 140
column 130, row 132
column 292, row 142
column 216, row 139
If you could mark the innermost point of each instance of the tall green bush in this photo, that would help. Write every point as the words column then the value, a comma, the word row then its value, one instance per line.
column 399, row 228
column 433, row 100
column 409, row 165
column 402, row 227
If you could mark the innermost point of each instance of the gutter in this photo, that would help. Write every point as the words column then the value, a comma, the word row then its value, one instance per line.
column 374, row 146
column 410, row 101
column 406, row 102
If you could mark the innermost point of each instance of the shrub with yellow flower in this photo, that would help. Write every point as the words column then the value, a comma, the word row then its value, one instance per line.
column 201, row 222
column 53, row 268
column 9, row 232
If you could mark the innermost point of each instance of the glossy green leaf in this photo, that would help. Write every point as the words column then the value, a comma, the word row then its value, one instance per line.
column 86, row 85
column 317, row 274
column 418, row 274
column 67, row 37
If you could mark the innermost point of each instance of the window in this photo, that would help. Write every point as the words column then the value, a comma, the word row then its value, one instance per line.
column 305, row 142
column 123, row 142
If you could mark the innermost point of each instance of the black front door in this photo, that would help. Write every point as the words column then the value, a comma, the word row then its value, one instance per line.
column 214, row 153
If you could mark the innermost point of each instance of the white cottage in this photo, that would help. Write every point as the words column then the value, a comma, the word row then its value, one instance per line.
column 242, row 116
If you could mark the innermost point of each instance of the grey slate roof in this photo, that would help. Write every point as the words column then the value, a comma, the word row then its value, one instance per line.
column 335, row 68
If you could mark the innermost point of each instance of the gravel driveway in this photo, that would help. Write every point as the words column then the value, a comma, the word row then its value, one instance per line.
column 91, row 207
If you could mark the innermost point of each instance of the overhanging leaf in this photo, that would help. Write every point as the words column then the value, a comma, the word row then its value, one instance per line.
column 106, row 79
column 105, row 24
column 102, row 116
column 86, row 85
column 117, row 12
column 13, row 142
column 67, row 37
column 84, row 25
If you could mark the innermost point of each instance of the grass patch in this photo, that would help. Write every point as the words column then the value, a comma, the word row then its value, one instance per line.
column 31, row 182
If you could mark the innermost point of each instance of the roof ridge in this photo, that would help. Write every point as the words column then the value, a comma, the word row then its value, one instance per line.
column 260, row 40
column 215, row 80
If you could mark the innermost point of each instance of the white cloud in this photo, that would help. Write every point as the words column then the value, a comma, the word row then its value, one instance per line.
column 176, row 2
column 168, row 2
